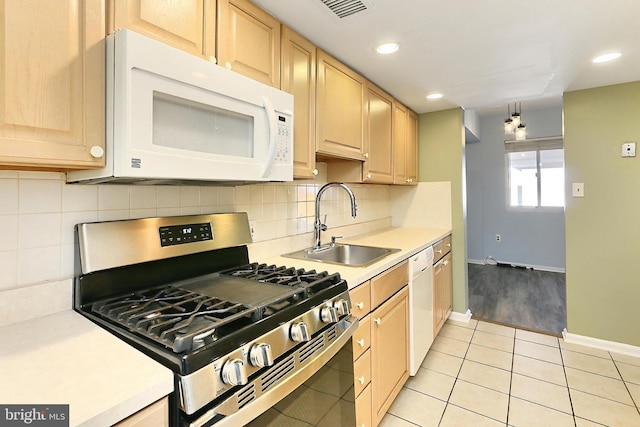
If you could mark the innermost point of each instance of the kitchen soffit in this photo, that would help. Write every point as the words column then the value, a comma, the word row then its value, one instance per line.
column 478, row 54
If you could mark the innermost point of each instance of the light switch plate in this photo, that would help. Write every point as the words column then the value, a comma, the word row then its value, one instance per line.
column 577, row 189
column 629, row 149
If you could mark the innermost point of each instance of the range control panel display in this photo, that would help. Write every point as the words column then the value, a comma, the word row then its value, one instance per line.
column 187, row 233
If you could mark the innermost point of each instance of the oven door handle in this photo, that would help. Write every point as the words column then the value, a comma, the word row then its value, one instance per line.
column 233, row 417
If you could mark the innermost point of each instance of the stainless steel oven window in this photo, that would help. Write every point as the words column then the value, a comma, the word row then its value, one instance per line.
column 325, row 399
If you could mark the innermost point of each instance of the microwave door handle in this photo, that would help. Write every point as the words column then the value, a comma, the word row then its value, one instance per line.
column 273, row 132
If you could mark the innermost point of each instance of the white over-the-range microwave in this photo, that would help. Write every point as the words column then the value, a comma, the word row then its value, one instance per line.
column 173, row 117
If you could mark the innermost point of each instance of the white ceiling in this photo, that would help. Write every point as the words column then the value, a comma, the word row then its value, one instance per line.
column 479, row 54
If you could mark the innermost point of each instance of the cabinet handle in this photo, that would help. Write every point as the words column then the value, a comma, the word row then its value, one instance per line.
column 361, row 380
column 315, row 172
column 368, row 176
column 446, row 262
column 439, row 251
column 360, row 305
column 360, row 343
column 96, row 151
column 448, row 245
column 366, row 155
column 377, row 320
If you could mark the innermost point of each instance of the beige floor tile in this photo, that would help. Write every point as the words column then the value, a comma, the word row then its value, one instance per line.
column 630, row 373
column 634, row 389
column 599, row 385
column 581, row 422
column 604, row 411
column 481, row 400
column 523, row 413
column 586, row 362
column 498, row 342
column 432, row 383
column 450, row 346
column 417, row 408
column 391, row 420
column 539, row 369
column 456, row 332
column 540, row 392
column 537, row 338
column 538, row 351
column 442, row 362
column 471, row 324
column 456, row 417
column 486, row 376
column 626, row 359
column 489, row 356
column 496, row 329
column 584, row 349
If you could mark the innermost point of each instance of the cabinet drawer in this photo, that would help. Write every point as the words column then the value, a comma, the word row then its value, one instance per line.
column 441, row 248
column 388, row 283
column 156, row 414
column 362, row 372
column 360, row 300
column 362, row 337
column 363, row 408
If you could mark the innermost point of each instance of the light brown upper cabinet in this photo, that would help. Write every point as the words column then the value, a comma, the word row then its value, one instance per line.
column 405, row 146
column 52, row 84
column 378, row 164
column 299, row 79
column 249, row 41
column 188, row 25
column 340, row 110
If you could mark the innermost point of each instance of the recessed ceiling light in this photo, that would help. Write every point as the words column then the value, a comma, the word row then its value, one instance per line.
column 606, row 57
column 387, row 48
column 434, row 96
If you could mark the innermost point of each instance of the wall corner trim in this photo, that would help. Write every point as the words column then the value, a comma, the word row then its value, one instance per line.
column 460, row 317
column 612, row 346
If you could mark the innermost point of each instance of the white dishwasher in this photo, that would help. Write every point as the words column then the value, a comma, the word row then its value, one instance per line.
column 420, row 307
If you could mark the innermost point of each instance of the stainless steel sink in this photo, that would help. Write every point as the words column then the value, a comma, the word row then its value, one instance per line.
column 343, row 254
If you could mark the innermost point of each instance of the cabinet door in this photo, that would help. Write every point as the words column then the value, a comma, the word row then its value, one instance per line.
column 299, row 79
column 188, row 25
column 447, row 292
column 399, row 144
column 52, row 84
column 411, row 148
column 389, row 351
column 249, row 41
column 340, row 110
column 378, row 164
column 438, row 286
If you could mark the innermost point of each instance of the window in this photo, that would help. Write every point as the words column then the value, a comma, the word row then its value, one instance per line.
column 536, row 172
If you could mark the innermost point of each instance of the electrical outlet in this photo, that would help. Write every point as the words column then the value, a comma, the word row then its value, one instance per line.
column 498, row 238
column 252, row 229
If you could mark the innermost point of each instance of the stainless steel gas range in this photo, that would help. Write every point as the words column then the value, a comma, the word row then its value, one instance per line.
column 242, row 338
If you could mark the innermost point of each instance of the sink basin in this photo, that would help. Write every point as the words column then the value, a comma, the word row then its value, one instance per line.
column 351, row 255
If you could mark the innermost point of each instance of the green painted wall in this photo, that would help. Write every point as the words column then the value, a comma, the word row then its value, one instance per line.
column 441, row 151
column 603, row 228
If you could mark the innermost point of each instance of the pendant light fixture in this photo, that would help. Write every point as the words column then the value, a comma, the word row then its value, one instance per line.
column 513, row 123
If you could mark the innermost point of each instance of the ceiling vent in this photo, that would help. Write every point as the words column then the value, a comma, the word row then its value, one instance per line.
column 344, row 8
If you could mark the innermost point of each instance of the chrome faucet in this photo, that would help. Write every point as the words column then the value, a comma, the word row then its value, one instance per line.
column 318, row 226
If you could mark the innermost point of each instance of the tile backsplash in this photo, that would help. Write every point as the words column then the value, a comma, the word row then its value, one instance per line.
column 38, row 211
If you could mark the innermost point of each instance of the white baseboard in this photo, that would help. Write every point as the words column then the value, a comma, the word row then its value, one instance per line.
column 533, row 266
column 460, row 317
column 612, row 346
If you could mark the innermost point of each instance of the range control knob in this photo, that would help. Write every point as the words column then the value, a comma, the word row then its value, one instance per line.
column 329, row 314
column 234, row 372
column 260, row 355
column 342, row 306
column 300, row 332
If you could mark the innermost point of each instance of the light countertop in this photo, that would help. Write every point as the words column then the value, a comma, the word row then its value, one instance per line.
column 409, row 240
column 64, row 358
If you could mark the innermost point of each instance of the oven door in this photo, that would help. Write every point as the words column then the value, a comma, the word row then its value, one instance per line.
column 313, row 385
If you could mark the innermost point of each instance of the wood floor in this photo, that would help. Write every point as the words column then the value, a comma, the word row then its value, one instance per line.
column 524, row 298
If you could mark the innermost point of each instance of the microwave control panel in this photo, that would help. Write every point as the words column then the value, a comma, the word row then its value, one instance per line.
column 284, row 140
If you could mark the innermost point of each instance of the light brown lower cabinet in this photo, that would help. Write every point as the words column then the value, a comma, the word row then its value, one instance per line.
column 389, row 352
column 363, row 408
column 154, row 415
column 442, row 292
